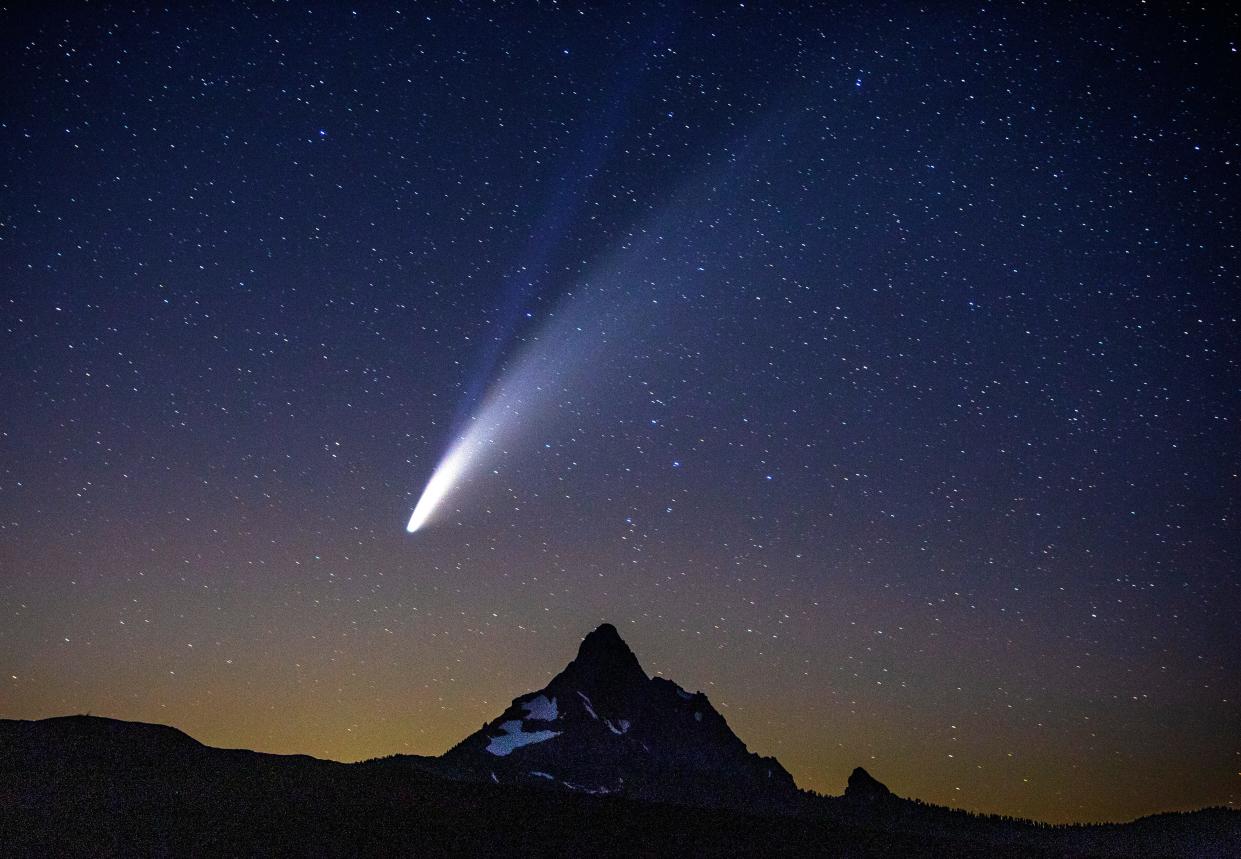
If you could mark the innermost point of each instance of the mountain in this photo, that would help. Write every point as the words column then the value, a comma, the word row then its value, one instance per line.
column 602, row 726
column 603, row 761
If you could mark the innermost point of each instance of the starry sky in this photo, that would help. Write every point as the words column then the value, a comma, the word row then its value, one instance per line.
column 876, row 369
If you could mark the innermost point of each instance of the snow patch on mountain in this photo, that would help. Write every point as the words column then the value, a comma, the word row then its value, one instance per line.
column 587, row 705
column 596, row 791
column 620, row 727
column 514, row 737
column 541, row 709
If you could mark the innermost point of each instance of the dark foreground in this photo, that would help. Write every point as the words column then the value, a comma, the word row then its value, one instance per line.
column 88, row 786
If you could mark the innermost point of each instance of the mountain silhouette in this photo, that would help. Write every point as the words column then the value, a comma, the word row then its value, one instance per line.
column 603, row 761
column 603, row 726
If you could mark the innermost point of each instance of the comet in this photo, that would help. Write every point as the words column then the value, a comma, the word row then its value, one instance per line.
column 444, row 477
column 559, row 362
column 463, row 458
column 499, row 420
column 624, row 302
column 561, row 344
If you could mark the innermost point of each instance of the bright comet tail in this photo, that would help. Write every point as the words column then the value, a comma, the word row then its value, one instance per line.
column 471, row 447
column 445, row 475
column 558, row 365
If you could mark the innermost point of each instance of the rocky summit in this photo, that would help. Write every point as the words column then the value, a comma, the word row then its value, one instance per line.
column 602, row 726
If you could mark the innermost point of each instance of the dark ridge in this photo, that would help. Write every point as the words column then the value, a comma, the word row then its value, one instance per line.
column 91, row 729
column 863, row 786
column 118, row 789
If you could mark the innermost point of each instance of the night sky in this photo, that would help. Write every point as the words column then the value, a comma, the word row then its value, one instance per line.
column 875, row 369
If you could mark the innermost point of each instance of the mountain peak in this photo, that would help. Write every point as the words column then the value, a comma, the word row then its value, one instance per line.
column 605, row 631
column 604, row 659
column 603, row 726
